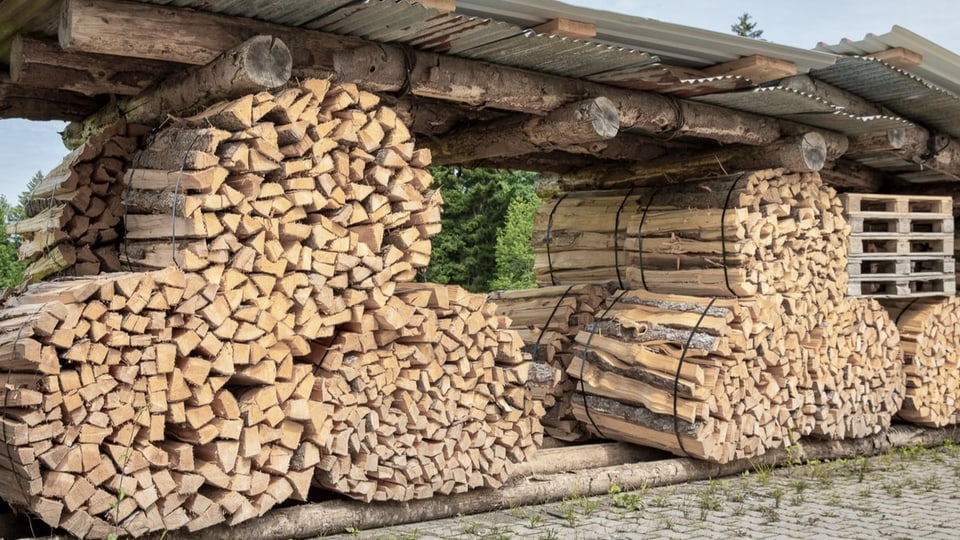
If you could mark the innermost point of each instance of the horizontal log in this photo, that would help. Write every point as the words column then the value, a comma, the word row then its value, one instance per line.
column 43, row 103
column 382, row 68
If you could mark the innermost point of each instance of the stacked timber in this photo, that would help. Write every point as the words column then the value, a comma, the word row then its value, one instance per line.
column 697, row 377
column 900, row 245
column 739, row 235
column 75, row 211
column 931, row 357
column 128, row 410
column 425, row 396
column 853, row 383
column 548, row 319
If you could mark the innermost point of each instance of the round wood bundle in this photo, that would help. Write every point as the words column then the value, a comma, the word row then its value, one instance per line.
column 145, row 401
column 314, row 192
column 693, row 376
column 75, row 210
column 425, row 396
column 738, row 235
column 548, row 319
column 930, row 339
column 854, row 380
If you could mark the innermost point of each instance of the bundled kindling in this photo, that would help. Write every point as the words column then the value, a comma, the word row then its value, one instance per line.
column 854, row 381
column 739, row 235
column 424, row 396
column 548, row 319
column 701, row 377
column 930, row 339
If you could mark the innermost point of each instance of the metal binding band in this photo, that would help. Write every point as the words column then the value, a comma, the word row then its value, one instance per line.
column 549, row 233
column 643, row 218
column 583, row 362
column 723, row 234
column 616, row 238
column 536, row 346
column 676, row 378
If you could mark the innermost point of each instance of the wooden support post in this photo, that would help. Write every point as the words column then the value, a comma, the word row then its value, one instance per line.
column 262, row 62
column 43, row 64
column 581, row 122
column 384, row 68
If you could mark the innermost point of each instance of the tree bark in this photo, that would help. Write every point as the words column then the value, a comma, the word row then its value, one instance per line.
column 43, row 104
column 384, row 68
column 260, row 63
column 581, row 122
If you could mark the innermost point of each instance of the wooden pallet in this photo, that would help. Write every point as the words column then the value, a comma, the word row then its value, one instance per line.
column 900, row 266
column 877, row 286
column 858, row 203
column 907, row 244
column 878, row 222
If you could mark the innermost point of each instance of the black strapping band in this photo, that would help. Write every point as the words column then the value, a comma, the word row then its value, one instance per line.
column 676, row 378
column 536, row 346
column 616, row 238
column 723, row 234
column 583, row 363
column 643, row 219
column 549, row 234
column 906, row 309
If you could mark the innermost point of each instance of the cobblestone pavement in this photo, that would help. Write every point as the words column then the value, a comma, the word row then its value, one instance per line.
column 905, row 494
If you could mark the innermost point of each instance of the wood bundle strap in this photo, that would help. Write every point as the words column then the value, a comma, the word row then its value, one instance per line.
column 314, row 192
column 129, row 410
column 702, row 377
column 931, row 358
column 853, row 383
column 738, row 235
column 548, row 319
column 74, row 212
column 424, row 396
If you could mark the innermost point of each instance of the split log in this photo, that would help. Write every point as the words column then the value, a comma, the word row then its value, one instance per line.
column 693, row 376
column 576, row 123
column 928, row 337
column 434, row 405
column 739, row 235
column 548, row 319
column 854, row 378
column 261, row 62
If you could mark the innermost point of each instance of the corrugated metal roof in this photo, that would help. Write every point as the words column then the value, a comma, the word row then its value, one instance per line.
column 660, row 78
column 286, row 12
column 801, row 107
column 939, row 66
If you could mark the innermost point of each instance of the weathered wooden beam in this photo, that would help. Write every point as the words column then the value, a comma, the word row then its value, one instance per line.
column 17, row 15
column 846, row 175
column 18, row 101
column 433, row 117
column 914, row 145
column 43, row 64
column 445, row 6
column 567, row 28
column 580, row 122
column 261, row 62
column 387, row 68
column 756, row 67
column 802, row 153
column 898, row 57
column 182, row 35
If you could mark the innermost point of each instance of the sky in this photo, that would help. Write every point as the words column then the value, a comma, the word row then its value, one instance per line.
column 26, row 147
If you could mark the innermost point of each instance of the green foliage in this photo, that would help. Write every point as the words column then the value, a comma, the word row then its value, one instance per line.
column 514, row 251
column 11, row 270
column 745, row 27
column 476, row 206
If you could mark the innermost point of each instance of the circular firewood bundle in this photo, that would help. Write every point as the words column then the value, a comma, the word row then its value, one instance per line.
column 424, row 397
column 854, row 382
column 930, row 339
column 697, row 377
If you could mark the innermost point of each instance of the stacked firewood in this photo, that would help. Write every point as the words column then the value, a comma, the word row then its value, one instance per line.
column 853, row 383
column 191, row 395
column 739, row 235
column 548, row 319
column 693, row 376
column 931, row 355
column 74, row 213
column 425, row 396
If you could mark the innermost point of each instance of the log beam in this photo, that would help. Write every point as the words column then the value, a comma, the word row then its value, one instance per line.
column 917, row 147
column 799, row 153
column 43, row 64
column 384, row 68
column 260, row 63
column 846, row 175
column 18, row 101
column 580, row 122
